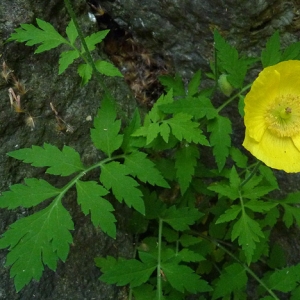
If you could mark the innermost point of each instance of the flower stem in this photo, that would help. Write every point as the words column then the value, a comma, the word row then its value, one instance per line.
column 251, row 174
column 233, row 97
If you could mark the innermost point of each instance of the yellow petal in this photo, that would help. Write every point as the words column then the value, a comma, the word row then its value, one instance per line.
column 262, row 94
column 277, row 153
column 289, row 76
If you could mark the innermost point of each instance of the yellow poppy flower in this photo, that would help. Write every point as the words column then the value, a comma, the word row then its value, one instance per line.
column 272, row 117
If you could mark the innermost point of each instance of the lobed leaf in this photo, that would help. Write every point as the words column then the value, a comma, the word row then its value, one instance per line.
column 229, row 60
column 197, row 107
column 105, row 135
column 95, row 38
column 225, row 190
column 115, row 176
column 32, row 193
column 185, row 162
column 183, row 278
column 248, row 233
column 108, row 69
column 38, row 240
column 220, row 129
column 174, row 83
column 85, row 72
column 193, row 85
column 60, row 162
column 47, row 36
column 65, row 59
column 71, row 32
column 142, row 167
column 233, row 278
column 187, row 255
column 260, row 206
column 230, row 214
column 285, row 280
column 270, row 55
column 89, row 197
column 130, row 271
column 181, row 218
column 183, row 128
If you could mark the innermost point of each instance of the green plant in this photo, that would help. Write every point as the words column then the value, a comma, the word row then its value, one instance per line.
column 205, row 224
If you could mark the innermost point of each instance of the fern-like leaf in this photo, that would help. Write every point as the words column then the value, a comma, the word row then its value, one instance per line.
column 38, row 240
column 89, row 196
column 115, row 176
column 46, row 35
column 34, row 192
column 64, row 162
column 105, row 135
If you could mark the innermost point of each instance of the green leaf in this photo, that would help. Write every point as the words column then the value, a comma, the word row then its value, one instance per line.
column 230, row 214
column 142, row 167
column 108, row 69
column 228, row 59
column 193, row 85
column 144, row 292
column 185, row 162
column 94, row 39
column 65, row 59
column 271, row 54
column 71, row 32
column 183, row 128
column 89, row 196
column 85, row 72
column 34, row 192
column 38, row 240
column 260, row 206
column 130, row 271
column 149, row 130
column 198, row 107
column 225, row 190
column 285, row 280
column 181, row 218
column 183, row 278
column 268, row 174
column 187, row 255
column 155, row 113
column 291, row 52
column 234, row 179
column 115, row 176
column 187, row 240
column 232, row 279
column 47, row 36
column 248, row 232
column 220, row 129
column 105, row 135
column 64, row 162
column 174, row 83
column 256, row 192
column 291, row 213
column 130, row 143
column 238, row 157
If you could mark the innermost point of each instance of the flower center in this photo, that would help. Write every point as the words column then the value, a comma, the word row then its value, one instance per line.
column 283, row 116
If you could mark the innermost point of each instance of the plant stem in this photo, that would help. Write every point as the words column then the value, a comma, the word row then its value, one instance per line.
column 233, row 97
column 88, row 53
column 248, row 270
column 251, row 174
column 241, row 263
column 158, row 287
